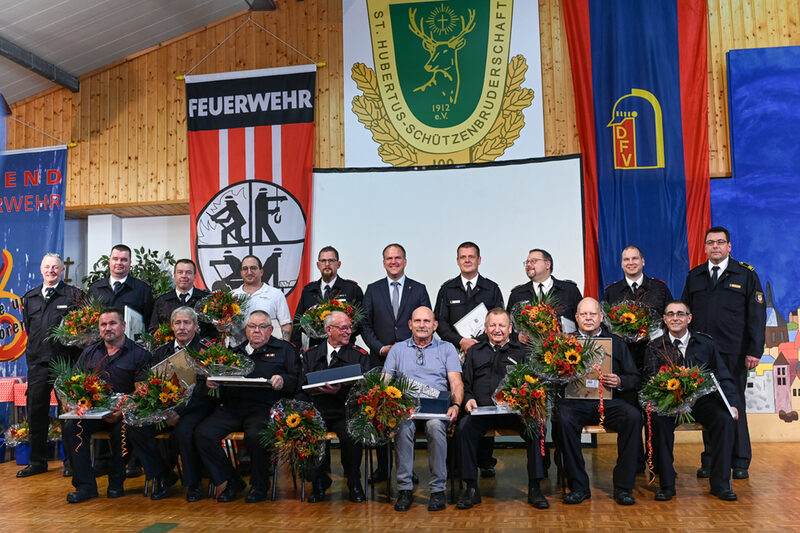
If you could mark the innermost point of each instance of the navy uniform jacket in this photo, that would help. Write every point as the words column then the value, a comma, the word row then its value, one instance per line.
column 168, row 302
column 121, row 370
column 316, row 359
column 484, row 368
column 134, row 293
column 700, row 351
column 343, row 289
column 733, row 312
column 653, row 293
column 566, row 291
column 39, row 315
column 275, row 357
column 380, row 326
column 452, row 304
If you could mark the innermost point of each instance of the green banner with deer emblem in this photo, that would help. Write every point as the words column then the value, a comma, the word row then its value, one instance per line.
column 444, row 87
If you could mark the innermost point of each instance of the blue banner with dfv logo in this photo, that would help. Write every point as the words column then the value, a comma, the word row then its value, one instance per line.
column 640, row 74
column 31, row 224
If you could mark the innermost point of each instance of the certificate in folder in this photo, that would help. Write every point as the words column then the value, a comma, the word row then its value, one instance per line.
column 134, row 323
column 176, row 364
column 472, row 324
column 332, row 376
column 590, row 388
column 433, row 408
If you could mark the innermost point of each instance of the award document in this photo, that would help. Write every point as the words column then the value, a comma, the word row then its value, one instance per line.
column 134, row 323
column 176, row 364
column 471, row 324
column 590, row 388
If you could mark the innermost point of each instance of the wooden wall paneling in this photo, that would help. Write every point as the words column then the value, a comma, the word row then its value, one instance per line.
column 719, row 41
column 161, row 191
column 141, row 124
column 116, row 136
column 84, row 189
column 184, row 62
column 170, row 121
column 149, row 180
column 122, row 121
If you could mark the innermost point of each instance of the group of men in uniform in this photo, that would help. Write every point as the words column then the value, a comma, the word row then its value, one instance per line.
column 718, row 323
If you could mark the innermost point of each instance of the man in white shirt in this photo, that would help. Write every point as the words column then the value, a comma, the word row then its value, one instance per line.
column 263, row 297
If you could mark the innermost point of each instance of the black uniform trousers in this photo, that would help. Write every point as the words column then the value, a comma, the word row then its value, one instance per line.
column 208, row 435
column 143, row 443
column 38, row 401
column 717, row 422
column 182, row 440
column 620, row 416
column 350, row 453
column 77, row 441
column 471, row 430
column 742, row 453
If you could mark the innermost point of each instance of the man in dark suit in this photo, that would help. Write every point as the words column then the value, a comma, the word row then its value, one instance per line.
column 637, row 287
column 388, row 304
column 329, row 286
column 330, row 401
column 185, row 294
column 187, row 417
column 539, row 268
column 247, row 409
column 620, row 415
column 685, row 349
column 462, row 294
column 456, row 298
column 121, row 289
column 727, row 302
column 42, row 308
column 485, row 365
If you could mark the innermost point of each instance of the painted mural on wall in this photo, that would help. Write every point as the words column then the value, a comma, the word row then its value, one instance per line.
column 758, row 206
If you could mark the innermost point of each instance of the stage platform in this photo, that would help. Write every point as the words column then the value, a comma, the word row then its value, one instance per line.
column 768, row 501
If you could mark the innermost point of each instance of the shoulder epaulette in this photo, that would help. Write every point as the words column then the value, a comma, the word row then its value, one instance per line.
column 747, row 266
column 701, row 334
column 570, row 281
column 360, row 349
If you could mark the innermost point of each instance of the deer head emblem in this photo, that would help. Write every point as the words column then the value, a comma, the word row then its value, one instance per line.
column 443, row 58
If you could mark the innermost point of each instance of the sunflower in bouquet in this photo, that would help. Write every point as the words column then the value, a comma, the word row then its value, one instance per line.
column 537, row 318
column 18, row 434
column 154, row 399
column 162, row 335
column 222, row 309
column 563, row 358
column 630, row 320
column 79, row 327
column 674, row 390
column 376, row 407
column 524, row 392
column 297, row 432
column 218, row 360
column 312, row 321
column 78, row 389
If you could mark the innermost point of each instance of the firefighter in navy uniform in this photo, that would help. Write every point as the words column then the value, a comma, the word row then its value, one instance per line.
column 727, row 302
column 42, row 308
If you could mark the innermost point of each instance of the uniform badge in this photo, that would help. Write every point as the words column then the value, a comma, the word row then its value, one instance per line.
column 269, row 355
column 735, row 286
column 455, row 302
column 760, row 297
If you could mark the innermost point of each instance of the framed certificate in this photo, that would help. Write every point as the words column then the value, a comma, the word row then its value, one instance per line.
column 590, row 388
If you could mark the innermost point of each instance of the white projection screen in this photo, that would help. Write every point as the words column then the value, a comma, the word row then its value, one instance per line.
column 506, row 208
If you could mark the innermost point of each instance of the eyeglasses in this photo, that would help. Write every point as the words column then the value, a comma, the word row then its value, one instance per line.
column 718, row 242
column 262, row 327
column 532, row 261
column 343, row 328
column 420, row 356
column 327, row 261
column 673, row 314
column 250, row 269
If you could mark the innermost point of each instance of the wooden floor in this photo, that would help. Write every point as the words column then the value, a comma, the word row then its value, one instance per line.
column 768, row 501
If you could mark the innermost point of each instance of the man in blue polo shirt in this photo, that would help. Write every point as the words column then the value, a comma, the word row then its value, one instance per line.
column 434, row 363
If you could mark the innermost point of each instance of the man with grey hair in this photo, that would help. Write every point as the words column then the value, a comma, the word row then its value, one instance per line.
column 338, row 351
column 42, row 308
column 248, row 409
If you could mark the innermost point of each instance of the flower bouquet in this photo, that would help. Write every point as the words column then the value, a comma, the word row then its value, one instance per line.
column 79, row 327
column 674, row 390
column 18, row 434
column 536, row 318
column 312, row 320
column 559, row 358
column 218, row 360
column 375, row 408
column 54, row 430
column 222, row 309
column 80, row 391
column 521, row 390
column 154, row 399
column 630, row 320
column 162, row 335
column 297, row 432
